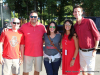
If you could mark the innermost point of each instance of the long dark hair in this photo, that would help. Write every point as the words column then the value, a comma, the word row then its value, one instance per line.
column 72, row 30
column 48, row 31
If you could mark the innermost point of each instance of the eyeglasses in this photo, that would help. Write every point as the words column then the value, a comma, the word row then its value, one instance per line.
column 52, row 26
column 33, row 16
column 68, row 24
column 16, row 23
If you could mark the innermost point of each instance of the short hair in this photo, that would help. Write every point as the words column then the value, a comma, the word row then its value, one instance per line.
column 33, row 11
column 48, row 31
column 77, row 6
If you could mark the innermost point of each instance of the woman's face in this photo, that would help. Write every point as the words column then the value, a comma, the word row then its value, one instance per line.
column 67, row 26
column 52, row 27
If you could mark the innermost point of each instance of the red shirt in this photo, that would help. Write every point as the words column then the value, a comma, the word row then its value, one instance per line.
column 87, row 33
column 33, row 39
column 11, row 44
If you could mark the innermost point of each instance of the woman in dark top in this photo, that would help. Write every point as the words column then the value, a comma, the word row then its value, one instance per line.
column 52, row 58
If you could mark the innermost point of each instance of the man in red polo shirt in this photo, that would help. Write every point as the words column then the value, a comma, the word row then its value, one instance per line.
column 88, row 36
column 12, row 43
column 33, row 32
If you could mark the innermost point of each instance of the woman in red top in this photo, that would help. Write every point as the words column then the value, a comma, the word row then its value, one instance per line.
column 70, row 55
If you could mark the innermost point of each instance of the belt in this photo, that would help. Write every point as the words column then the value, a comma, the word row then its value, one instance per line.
column 87, row 50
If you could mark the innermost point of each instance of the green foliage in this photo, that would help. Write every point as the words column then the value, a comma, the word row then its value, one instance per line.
column 16, row 15
column 91, row 7
column 48, row 9
column 12, row 15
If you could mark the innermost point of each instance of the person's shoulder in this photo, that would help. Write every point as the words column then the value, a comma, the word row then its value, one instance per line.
column 75, row 36
column 88, row 19
column 58, row 35
column 26, row 24
column 45, row 34
column 20, row 32
column 8, row 31
column 40, row 24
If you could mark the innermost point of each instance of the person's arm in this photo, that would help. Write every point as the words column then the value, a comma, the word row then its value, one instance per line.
column 61, row 42
column 1, row 49
column 61, row 45
column 22, row 53
column 94, row 30
column 76, row 50
column 2, row 37
column 96, row 35
column 22, row 45
column 95, row 47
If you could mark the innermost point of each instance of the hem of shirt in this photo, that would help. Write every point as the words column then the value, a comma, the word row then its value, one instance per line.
column 33, row 56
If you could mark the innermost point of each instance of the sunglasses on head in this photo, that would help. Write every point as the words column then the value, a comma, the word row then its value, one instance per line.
column 16, row 23
column 52, row 26
column 33, row 16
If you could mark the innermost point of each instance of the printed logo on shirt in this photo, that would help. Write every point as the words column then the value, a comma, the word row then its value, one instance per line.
column 13, row 41
column 50, row 47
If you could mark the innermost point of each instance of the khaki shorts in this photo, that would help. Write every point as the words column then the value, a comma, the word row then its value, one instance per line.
column 10, row 64
column 28, row 63
column 87, row 61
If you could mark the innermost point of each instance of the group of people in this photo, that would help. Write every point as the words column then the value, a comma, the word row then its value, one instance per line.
column 78, row 45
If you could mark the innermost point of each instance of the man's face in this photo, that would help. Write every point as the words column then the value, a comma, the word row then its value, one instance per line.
column 15, row 24
column 33, row 17
column 77, row 13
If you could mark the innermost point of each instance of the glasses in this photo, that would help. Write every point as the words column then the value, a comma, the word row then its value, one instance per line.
column 33, row 16
column 52, row 26
column 68, row 24
column 16, row 23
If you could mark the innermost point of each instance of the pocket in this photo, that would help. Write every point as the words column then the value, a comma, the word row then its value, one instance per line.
column 88, row 54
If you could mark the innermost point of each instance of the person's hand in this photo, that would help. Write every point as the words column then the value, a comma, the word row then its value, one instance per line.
column 72, row 63
column 1, row 61
column 94, row 53
column 58, row 32
column 5, row 29
column 21, row 61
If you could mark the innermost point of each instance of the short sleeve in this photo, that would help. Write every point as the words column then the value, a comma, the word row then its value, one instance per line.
column 2, row 37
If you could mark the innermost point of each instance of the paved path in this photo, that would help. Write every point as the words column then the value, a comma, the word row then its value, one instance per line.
column 97, row 68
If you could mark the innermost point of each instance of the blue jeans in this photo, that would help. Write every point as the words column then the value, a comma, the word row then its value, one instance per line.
column 53, row 67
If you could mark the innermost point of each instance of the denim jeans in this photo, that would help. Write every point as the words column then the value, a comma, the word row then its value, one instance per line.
column 53, row 67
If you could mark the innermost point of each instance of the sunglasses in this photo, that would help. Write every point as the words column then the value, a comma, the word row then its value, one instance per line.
column 52, row 26
column 68, row 24
column 33, row 16
column 16, row 23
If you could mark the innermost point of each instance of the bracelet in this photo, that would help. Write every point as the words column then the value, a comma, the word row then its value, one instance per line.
column 73, row 58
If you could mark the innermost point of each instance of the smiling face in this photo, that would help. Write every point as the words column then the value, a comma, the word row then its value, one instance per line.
column 67, row 26
column 52, row 27
column 33, row 17
column 77, row 13
column 15, row 24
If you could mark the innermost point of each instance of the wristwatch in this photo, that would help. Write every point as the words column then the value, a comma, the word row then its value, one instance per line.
column 73, row 58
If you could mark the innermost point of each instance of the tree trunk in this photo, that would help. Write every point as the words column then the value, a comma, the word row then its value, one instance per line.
column 41, row 11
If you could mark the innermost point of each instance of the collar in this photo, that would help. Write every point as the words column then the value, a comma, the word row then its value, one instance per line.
column 37, row 24
column 82, row 21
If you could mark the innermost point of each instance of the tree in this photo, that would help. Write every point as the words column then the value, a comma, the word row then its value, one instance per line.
column 91, row 7
column 48, row 9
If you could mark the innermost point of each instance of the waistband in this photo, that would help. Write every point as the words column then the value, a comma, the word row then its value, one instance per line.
column 87, row 50
column 52, row 58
